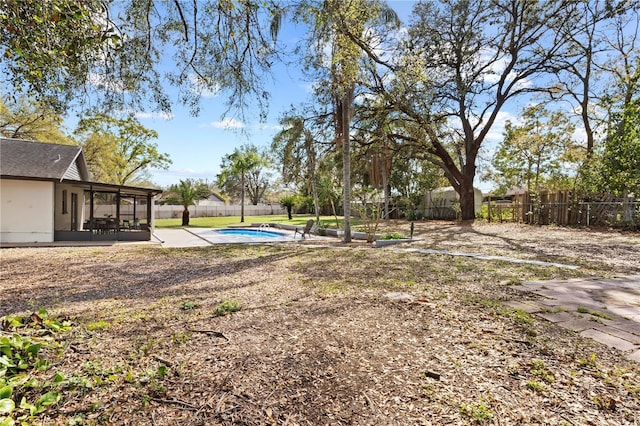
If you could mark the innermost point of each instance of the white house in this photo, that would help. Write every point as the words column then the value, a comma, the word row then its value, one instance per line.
column 211, row 201
column 46, row 196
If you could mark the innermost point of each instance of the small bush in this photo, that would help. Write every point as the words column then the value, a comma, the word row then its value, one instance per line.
column 478, row 412
column 188, row 305
column 20, row 361
column 226, row 307
column 536, row 386
column 98, row 325
column 392, row 236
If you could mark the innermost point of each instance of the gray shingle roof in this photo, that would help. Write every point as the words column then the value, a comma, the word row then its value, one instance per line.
column 29, row 159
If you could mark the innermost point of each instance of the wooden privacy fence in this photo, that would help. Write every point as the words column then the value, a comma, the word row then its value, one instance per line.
column 558, row 208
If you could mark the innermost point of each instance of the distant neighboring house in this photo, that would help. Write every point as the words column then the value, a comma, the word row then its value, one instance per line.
column 211, row 200
column 515, row 192
column 444, row 203
column 46, row 195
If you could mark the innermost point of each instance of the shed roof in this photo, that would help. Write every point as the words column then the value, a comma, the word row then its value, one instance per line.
column 36, row 160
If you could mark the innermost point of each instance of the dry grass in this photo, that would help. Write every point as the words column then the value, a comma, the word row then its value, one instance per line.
column 316, row 341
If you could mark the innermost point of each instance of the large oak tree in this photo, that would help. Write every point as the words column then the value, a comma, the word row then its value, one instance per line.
column 22, row 119
column 463, row 61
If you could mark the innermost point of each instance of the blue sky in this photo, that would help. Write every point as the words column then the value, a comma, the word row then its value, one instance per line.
column 198, row 144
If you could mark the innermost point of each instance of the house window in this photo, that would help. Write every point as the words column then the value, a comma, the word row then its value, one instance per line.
column 65, row 207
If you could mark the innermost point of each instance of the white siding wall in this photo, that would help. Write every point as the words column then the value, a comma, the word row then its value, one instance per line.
column 26, row 211
column 63, row 220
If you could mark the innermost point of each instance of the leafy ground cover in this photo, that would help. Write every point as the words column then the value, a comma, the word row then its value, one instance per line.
column 305, row 334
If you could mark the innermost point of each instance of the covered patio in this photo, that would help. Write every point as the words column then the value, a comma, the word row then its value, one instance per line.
column 105, row 212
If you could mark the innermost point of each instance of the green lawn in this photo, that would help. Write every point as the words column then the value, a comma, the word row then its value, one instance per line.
column 224, row 221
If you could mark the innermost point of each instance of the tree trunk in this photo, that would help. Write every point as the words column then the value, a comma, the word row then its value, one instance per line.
column 289, row 212
column 185, row 217
column 335, row 214
column 346, row 182
column 538, row 175
column 316, row 202
column 311, row 154
column 386, row 189
column 345, row 121
column 467, row 195
column 587, row 129
column 242, row 200
column 343, row 118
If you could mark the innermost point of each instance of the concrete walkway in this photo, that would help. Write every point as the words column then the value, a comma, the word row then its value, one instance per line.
column 176, row 238
column 201, row 237
column 606, row 310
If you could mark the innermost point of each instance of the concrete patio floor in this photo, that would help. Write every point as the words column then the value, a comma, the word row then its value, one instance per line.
column 200, row 237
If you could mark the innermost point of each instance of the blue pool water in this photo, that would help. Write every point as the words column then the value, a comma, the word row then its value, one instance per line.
column 247, row 232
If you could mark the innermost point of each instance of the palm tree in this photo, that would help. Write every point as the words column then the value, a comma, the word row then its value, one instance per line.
column 295, row 146
column 237, row 165
column 343, row 25
column 288, row 201
column 187, row 193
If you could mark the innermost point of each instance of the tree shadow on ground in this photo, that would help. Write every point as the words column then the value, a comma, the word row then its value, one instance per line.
column 591, row 249
column 145, row 276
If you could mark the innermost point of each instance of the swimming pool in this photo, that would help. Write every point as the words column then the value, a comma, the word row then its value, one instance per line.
column 249, row 232
column 196, row 237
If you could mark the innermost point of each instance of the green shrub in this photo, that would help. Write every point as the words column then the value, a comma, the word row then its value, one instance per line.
column 392, row 236
column 226, row 307
column 477, row 412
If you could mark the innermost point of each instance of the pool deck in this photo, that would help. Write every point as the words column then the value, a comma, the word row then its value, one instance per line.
column 198, row 237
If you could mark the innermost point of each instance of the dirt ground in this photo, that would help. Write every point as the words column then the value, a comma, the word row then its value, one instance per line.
column 600, row 248
column 322, row 335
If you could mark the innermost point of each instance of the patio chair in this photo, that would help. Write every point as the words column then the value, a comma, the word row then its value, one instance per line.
column 304, row 231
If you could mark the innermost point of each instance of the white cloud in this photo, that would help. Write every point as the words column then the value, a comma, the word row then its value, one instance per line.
column 496, row 134
column 163, row 115
column 310, row 87
column 124, row 113
column 497, row 67
column 227, row 123
column 266, row 127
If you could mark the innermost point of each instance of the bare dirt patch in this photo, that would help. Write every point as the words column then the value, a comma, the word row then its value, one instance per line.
column 316, row 339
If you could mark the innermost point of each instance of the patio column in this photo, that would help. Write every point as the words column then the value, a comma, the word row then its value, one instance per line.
column 91, row 219
column 118, row 212
column 149, row 211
